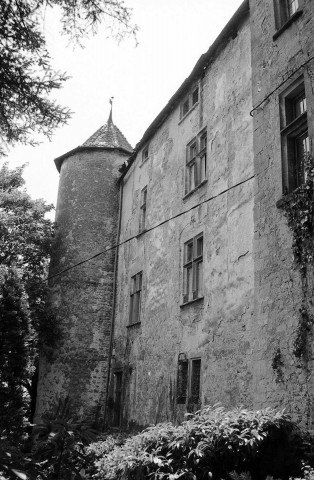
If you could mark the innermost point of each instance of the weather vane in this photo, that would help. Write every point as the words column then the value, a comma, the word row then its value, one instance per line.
column 110, row 101
column 110, row 116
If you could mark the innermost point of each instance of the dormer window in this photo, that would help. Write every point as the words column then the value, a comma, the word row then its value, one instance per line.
column 189, row 101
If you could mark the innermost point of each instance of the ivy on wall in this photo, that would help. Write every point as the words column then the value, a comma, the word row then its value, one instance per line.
column 299, row 210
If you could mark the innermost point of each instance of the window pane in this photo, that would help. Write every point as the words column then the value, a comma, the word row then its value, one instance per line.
column 188, row 252
column 203, row 141
column 136, row 308
column 145, row 154
column 133, row 284
column 203, row 167
column 198, row 279
column 302, row 147
column 299, row 105
column 131, row 310
column 185, row 107
column 182, row 382
column 192, row 151
column 293, row 6
column 139, row 281
column 199, row 247
column 195, row 380
column 197, row 180
column 192, row 177
column 195, row 96
column 188, row 283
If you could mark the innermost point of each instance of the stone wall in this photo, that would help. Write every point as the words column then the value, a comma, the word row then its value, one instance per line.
column 216, row 328
column 81, row 299
column 277, row 283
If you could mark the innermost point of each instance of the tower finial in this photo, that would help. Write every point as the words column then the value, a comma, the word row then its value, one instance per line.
column 110, row 115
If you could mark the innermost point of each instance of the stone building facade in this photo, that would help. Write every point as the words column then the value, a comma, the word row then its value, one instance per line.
column 200, row 296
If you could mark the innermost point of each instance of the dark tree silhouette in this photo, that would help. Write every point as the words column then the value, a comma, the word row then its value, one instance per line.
column 26, row 76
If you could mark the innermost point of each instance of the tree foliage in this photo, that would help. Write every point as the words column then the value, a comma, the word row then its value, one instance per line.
column 26, row 76
column 25, row 239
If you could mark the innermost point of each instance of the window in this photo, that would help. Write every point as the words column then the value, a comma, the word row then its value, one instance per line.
column 182, row 381
column 143, row 210
column 188, row 381
column 284, row 10
column 189, row 102
column 196, row 153
column 193, row 269
column 295, row 144
column 195, row 381
column 135, row 298
column 145, row 154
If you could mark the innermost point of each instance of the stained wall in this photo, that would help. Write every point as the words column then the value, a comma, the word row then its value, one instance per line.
column 279, row 57
column 216, row 328
column 81, row 298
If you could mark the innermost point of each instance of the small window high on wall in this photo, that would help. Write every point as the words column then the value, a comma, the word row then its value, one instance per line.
column 285, row 10
column 189, row 101
column 135, row 298
column 142, row 223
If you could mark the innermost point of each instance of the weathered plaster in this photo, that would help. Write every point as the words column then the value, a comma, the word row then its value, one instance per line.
column 81, row 299
column 277, row 283
column 216, row 328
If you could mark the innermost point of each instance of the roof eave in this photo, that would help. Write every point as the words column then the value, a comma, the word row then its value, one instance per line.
column 59, row 160
column 201, row 64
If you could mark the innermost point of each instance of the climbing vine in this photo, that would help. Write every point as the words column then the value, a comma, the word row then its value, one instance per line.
column 299, row 209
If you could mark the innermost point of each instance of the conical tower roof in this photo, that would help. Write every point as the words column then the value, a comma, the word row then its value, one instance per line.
column 108, row 136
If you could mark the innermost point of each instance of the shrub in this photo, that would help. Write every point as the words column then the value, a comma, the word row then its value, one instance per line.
column 210, row 444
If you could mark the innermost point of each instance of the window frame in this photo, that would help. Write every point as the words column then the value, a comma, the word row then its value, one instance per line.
column 186, row 369
column 145, row 154
column 193, row 281
column 284, row 17
column 196, row 164
column 135, row 298
column 143, row 210
column 192, row 398
column 292, row 127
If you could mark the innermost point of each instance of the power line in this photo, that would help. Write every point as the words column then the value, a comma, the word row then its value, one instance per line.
column 280, row 85
column 185, row 211
column 148, row 229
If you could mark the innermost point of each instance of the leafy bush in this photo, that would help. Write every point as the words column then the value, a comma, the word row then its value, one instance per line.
column 210, row 444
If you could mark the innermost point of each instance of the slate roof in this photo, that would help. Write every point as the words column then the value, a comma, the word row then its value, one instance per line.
column 108, row 136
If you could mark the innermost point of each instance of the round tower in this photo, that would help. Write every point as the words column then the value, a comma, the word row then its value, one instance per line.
column 81, row 298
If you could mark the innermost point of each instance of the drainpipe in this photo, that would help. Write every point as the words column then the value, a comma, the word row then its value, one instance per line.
column 115, row 274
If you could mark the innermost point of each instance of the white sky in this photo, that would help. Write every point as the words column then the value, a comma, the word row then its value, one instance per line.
column 172, row 36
